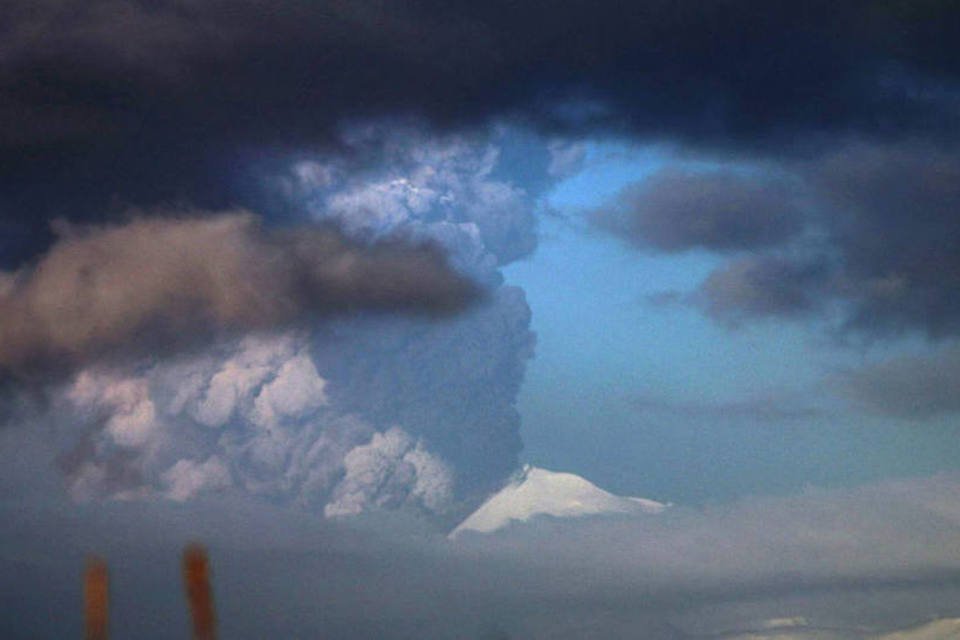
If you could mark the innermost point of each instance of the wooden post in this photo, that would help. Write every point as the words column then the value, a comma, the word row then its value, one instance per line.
column 96, row 598
column 196, row 579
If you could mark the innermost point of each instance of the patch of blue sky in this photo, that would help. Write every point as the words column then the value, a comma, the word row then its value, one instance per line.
column 591, row 299
column 603, row 348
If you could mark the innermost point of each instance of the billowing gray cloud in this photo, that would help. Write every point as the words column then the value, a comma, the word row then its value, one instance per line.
column 891, row 216
column 677, row 209
column 388, row 471
column 338, row 414
column 879, row 253
column 342, row 419
column 254, row 416
column 453, row 383
column 169, row 280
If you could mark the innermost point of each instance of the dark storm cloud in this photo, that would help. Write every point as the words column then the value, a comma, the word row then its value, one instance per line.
column 762, row 286
column 105, row 288
column 152, row 102
column 909, row 386
column 883, row 249
column 892, row 216
column 677, row 209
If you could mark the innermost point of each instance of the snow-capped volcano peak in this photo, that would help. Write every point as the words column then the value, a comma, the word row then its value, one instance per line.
column 534, row 491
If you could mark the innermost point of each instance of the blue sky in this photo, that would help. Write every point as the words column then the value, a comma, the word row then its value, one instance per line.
column 603, row 348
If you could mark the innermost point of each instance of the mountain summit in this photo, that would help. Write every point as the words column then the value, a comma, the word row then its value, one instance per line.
column 534, row 491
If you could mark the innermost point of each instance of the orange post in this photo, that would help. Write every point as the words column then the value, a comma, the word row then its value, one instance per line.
column 196, row 579
column 96, row 598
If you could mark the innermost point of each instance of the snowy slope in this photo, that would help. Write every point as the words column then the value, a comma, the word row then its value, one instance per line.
column 537, row 491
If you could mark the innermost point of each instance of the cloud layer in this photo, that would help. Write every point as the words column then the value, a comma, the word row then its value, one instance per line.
column 112, row 101
column 855, row 562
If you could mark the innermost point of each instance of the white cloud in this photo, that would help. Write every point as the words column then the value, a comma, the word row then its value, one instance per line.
column 132, row 416
column 270, row 378
column 296, row 390
column 254, row 414
column 226, row 389
column 187, row 478
column 390, row 470
column 440, row 188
